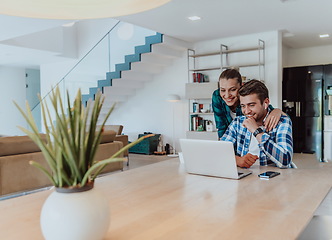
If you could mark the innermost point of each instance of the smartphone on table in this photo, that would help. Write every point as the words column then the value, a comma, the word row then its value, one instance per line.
column 268, row 174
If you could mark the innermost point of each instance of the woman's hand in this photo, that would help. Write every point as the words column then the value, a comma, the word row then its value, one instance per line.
column 273, row 119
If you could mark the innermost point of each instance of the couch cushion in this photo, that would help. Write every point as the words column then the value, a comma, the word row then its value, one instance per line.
column 117, row 128
column 107, row 136
column 18, row 145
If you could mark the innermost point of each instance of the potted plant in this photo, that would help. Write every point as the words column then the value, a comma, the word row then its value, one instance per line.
column 75, row 210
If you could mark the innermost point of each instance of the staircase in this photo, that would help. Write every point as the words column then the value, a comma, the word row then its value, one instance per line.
column 138, row 69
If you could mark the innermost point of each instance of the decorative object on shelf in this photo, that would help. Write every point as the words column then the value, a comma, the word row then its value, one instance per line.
column 195, row 107
column 75, row 210
column 160, row 145
column 69, row 9
column 200, row 128
column 173, row 98
column 209, row 126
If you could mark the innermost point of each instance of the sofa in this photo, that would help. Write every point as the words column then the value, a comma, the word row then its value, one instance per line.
column 119, row 137
column 16, row 175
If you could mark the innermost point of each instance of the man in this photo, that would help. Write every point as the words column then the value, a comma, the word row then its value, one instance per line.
column 226, row 104
column 251, row 139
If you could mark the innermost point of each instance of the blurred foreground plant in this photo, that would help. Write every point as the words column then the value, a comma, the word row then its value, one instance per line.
column 72, row 139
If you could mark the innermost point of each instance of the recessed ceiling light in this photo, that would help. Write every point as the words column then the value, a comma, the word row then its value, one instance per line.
column 69, row 24
column 324, row 35
column 194, row 18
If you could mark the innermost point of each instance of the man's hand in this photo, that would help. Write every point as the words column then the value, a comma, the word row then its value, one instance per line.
column 246, row 161
column 250, row 124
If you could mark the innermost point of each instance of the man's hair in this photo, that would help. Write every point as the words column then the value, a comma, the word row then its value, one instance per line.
column 254, row 86
column 231, row 73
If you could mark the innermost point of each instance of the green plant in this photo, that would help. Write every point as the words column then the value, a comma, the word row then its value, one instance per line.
column 72, row 139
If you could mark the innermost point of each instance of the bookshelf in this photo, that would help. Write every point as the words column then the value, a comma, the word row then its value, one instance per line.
column 201, row 118
column 202, row 81
column 249, row 61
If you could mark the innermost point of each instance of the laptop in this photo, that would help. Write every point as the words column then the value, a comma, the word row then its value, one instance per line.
column 211, row 158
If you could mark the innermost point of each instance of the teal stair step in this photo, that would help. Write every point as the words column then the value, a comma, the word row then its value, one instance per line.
column 85, row 99
column 122, row 66
column 112, row 75
column 143, row 49
column 93, row 91
column 133, row 58
column 104, row 83
column 158, row 38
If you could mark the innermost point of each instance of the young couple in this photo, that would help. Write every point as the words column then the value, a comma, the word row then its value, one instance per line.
column 245, row 117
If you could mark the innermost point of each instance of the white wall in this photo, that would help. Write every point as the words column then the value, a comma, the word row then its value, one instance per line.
column 307, row 56
column 12, row 88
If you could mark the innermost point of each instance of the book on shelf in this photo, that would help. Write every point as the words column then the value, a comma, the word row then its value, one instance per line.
column 196, row 121
column 199, row 77
column 200, row 124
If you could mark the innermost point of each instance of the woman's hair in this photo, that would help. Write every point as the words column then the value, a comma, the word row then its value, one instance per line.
column 254, row 86
column 231, row 73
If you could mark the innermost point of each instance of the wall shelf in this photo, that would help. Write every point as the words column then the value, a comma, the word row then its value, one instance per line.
column 200, row 113
column 204, row 69
column 260, row 62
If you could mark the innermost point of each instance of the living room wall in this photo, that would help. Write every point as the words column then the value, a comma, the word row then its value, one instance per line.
column 307, row 56
column 12, row 88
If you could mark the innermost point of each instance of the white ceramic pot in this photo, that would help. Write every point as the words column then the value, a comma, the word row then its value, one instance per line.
column 75, row 216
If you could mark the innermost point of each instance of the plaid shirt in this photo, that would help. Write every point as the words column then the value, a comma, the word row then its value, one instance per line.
column 276, row 145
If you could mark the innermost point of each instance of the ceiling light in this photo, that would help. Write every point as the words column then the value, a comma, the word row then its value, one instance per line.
column 324, row 35
column 194, row 18
column 69, row 24
column 76, row 9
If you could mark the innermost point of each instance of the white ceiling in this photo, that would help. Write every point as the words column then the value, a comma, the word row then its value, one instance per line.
column 301, row 20
column 12, row 28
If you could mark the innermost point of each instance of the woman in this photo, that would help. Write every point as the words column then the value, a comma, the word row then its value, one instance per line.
column 226, row 103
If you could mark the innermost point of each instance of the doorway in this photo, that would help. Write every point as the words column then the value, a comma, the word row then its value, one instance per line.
column 32, row 90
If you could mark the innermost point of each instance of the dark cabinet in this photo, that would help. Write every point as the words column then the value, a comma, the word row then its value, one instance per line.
column 303, row 100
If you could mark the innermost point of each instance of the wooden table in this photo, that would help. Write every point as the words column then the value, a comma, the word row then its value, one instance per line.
column 161, row 201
